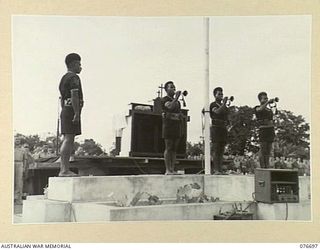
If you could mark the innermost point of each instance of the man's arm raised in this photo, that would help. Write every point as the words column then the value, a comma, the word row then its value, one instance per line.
column 171, row 105
column 220, row 109
column 263, row 106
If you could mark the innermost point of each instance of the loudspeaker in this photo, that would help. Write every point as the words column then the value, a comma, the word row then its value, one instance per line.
column 276, row 185
column 146, row 135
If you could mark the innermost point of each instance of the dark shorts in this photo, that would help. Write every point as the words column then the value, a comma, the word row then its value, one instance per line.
column 266, row 134
column 218, row 134
column 218, row 148
column 171, row 129
column 67, row 126
column 265, row 148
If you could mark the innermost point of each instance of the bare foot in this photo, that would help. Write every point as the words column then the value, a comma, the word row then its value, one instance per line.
column 177, row 173
column 216, row 173
column 169, row 173
column 67, row 174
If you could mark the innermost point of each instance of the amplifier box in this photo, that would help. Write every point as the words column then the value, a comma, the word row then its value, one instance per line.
column 276, row 185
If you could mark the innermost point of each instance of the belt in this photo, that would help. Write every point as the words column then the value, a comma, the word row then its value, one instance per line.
column 265, row 122
column 172, row 116
column 68, row 102
column 219, row 123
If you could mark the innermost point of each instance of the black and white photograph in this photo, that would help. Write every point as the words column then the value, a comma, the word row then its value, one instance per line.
column 169, row 118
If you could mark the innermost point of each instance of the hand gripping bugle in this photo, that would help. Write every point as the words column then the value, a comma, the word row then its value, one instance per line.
column 183, row 94
column 229, row 100
column 273, row 102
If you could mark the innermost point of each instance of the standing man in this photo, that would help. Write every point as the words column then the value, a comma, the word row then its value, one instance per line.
column 22, row 162
column 72, row 103
column 171, row 125
column 219, row 122
column 265, row 122
column 19, row 160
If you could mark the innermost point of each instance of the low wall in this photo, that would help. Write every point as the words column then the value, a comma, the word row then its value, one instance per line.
column 100, row 188
column 86, row 199
column 189, row 211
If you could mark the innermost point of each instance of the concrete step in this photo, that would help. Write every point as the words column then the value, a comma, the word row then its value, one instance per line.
column 82, row 212
column 102, row 188
column 45, row 211
column 93, row 198
column 282, row 211
column 17, row 218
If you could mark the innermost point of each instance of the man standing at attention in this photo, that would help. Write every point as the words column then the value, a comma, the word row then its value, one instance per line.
column 71, row 103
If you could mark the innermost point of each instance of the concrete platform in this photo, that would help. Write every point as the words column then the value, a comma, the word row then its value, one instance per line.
column 17, row 217
column 45, row 211
column 230, row 187
column 189, row 211
column 99, row 188
column 281, row 211
column 89, row 199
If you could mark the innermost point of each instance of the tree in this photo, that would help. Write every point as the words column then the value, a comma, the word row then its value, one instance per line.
column 195, row 149
column 242, row 136
column 32, row 140
column 51, row 141
column 292, row 133
column 91, row 148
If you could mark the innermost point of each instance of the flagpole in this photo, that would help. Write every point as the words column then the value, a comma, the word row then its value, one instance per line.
column 207, row 162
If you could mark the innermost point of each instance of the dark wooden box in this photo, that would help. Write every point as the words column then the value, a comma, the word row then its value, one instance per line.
column 276, row 185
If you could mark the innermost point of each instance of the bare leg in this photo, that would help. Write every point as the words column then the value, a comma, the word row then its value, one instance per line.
column 168, row 155
column 261, row 155
column 264, row 156
column 261, row 160
column 267, row 154
column 174, row 153
column 66, row 149
column 266, row 161
column 218, row 149
column 221, row 152
column 214, row 158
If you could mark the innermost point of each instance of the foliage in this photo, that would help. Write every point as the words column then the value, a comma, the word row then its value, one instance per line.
column 292, row 134
column 242, row 136
column 89, row 146
column 195, row 149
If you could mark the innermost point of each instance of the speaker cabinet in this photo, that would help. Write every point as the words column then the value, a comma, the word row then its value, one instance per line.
column 276, row 185
column 146, row 135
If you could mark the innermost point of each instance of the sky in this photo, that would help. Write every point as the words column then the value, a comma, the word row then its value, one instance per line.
column 125, row 59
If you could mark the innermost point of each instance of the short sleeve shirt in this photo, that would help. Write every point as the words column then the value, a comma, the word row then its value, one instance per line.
column 222, row 116
column 68, row 82
column 265, row 114
column 166, row 99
